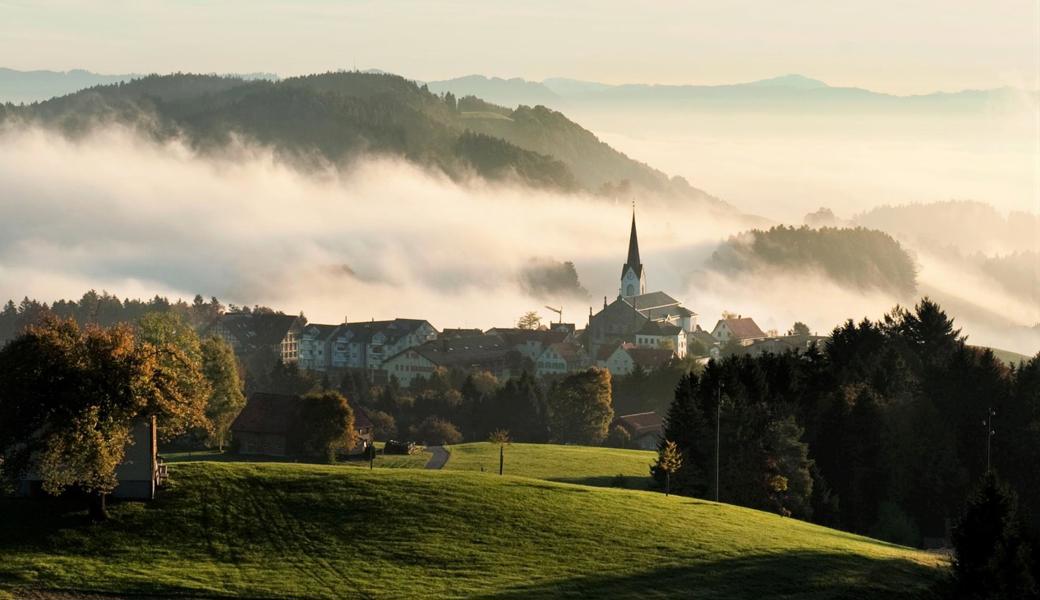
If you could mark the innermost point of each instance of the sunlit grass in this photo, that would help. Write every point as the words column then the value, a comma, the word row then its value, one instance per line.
column 574, row 464
column 276, row 530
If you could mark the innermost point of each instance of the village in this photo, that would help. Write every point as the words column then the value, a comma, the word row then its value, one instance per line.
column 639, row 332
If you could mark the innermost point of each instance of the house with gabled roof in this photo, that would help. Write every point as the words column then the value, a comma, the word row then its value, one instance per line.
column 366, row 344
column 562, row 358
column 646, row 429
column 266, row 425
column 485, row 352
column 316, row 346
column 741, row 329
column 530, row 343
column 661, row 334
column 623, row 358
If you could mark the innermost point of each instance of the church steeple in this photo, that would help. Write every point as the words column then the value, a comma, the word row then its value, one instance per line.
column 633, row 280
column 633, row 244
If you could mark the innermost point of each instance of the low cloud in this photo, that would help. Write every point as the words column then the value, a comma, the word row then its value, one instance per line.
column 379, row 239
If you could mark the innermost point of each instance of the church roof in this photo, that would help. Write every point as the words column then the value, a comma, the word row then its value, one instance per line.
column 651, row 300
column 659, row 328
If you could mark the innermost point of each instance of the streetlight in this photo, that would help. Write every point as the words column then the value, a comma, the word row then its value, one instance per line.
column 718, row 424
column 988, row 422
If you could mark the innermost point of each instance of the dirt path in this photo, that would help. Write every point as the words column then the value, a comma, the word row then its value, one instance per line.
column 440, row 456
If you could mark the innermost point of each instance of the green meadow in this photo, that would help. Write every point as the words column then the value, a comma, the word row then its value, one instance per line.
column 571, row 464
column 277, row 530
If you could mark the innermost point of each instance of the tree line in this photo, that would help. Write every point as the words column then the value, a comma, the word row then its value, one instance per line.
column 884, row 430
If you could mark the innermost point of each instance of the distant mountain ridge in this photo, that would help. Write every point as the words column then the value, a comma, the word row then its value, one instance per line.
column 19, row 87
column 791, row 92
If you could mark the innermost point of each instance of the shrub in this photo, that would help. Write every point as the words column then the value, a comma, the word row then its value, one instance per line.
column 437, row 431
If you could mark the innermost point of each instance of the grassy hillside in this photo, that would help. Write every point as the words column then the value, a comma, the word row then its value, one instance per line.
column 572, row 464
column 304, row 531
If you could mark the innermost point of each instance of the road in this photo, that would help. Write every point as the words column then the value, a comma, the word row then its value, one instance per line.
column 440, row 456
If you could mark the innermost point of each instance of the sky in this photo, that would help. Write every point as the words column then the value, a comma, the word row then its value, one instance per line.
column 886, row 45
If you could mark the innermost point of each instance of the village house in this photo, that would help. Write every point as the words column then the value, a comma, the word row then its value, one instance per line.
column 741, row 329
column 361, row 345
column 623, row 358
column 646, row 429
column 251, row 333
column 530, row 343
column 266, row 424
column 657, row 334
column 485, row 352
column 316, row 346
column 562, row 358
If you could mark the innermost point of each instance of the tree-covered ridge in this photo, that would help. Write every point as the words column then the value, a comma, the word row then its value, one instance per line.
column 859, row 257
column 335, row 117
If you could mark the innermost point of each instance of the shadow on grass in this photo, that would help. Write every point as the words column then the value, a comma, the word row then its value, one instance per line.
column 813, row 575
column 624, row 482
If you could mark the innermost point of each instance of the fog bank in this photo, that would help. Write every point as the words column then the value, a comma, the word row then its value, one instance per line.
column 381, row 239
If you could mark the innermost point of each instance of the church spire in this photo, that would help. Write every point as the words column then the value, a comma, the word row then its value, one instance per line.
column 633, row 243
column 633, row 280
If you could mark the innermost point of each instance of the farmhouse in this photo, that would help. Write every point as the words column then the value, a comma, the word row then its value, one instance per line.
column 266, row 425
column 645, row 428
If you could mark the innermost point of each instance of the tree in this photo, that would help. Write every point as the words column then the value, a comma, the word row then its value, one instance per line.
column 225, row 399
column 800, row 329
column 384, row 426
column 669, row 460
column 178, row 357
column 69, row 398
column 991, row 558
column 324, row 425
column 436, row 431
column 529, row 320
column 580, row 407
column 501, row 438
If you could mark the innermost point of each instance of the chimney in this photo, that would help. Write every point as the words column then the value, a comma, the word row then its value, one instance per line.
column 604, row 301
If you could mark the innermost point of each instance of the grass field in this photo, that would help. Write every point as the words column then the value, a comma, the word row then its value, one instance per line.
column 270, row 530
column 571, row 464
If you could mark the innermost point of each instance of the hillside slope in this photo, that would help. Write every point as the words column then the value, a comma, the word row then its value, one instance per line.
column 300, row 531
column 335, row 117
column 587, row 465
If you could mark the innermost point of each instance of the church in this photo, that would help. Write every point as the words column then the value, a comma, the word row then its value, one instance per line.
column 645, row 319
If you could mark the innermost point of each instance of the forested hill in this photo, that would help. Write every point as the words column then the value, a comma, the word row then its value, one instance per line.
column 339, row 116
column 854, row 257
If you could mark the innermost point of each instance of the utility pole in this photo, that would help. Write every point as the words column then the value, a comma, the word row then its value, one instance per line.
column 718, row 428
column 988, row 422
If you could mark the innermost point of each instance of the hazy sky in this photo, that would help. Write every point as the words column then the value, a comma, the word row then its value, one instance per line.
column 887, row 45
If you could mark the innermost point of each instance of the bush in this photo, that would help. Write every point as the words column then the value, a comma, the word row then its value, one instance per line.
column 436, row 431
column 396, row 447
column 384, row 426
